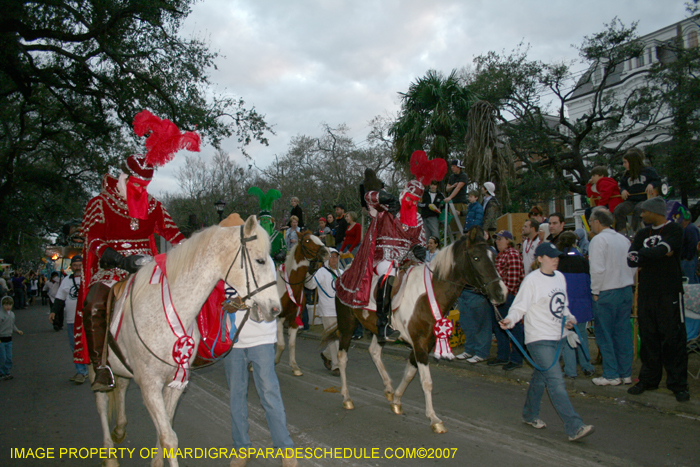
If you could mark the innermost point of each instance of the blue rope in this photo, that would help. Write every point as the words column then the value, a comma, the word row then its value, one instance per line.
column 527, row 356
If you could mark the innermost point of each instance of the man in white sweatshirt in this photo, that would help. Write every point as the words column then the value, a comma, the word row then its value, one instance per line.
column 543, row 304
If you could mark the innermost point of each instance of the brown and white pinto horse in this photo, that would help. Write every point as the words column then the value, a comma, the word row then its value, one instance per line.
column 467, row 262
column 307, row 255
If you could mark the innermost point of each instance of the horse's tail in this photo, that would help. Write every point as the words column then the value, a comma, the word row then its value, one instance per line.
column 329, row 335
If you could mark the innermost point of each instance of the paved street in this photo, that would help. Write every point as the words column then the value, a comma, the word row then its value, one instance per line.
column 480, row 408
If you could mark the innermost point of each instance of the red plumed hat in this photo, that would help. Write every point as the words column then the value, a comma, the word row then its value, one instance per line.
column 165, row 138
column 426, row 171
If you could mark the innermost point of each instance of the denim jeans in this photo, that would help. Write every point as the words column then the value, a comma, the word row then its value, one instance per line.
column 502, row 340
column 20, row 299
column 79, row 367
column 613, row 332
column 572, row 356
column 268, row 387
column 5, row 358
column 690, row 267
column 475, row 313
column 543, row 353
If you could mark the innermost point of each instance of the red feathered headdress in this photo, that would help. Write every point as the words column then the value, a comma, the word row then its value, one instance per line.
column 165, row 138
column 426, row 171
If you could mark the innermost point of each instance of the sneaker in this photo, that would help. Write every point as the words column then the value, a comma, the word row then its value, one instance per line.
column 588, row 373
column 475, row 359
column 496, row 362
column 512, row 366
column 627, row 380
column 6, row 377
column 463, row 356
column 683, row 396
column 74, row 377
column 536, row 423
column 582, row 432
column 356, row 337
column 79, row 378
column 603, row 381
column 639, row 388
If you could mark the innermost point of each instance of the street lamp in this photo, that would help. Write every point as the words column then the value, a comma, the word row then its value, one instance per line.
column 220, row 208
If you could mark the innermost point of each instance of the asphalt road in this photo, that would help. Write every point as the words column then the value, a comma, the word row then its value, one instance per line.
column 41, row 409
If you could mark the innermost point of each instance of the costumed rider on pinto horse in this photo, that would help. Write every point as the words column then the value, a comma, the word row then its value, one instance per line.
column 118, row 228
column 395, row 231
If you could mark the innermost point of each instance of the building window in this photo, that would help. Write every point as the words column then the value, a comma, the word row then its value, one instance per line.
column 568, row 206
column 692, row 39
column 640, row 61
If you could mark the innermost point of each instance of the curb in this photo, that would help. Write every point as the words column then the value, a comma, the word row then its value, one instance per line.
column 661, row 399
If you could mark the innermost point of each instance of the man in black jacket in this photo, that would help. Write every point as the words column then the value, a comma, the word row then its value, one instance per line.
column 656, row 252
column 341, row 224
column 430, row 207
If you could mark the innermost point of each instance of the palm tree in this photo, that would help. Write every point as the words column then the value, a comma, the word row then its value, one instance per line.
column 433, row 117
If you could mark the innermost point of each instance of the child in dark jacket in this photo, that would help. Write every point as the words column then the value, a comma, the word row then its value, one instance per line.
column 475, row 212
column 578, row 288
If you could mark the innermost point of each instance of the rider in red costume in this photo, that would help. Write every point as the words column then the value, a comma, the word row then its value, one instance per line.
column 118, row 228
column 388, row 239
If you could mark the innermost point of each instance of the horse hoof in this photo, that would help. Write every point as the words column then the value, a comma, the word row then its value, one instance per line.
column 348, row 405
column 297, row 372
column 389, row 396
column 438, row 428
column 117, row 439
column 397, row 409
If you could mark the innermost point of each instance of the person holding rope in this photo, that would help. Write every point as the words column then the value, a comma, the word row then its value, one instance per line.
column 543, row 304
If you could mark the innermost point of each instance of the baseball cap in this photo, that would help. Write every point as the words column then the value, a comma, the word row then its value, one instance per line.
column 505, row 234
column 339, row 205
column 333, row 250
column 547, row 249
column 458, row 163
column 76, row 259
column 323, row 219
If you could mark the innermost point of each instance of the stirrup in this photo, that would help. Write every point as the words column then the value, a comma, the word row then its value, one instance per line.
column 390, row 334
column 102, row 387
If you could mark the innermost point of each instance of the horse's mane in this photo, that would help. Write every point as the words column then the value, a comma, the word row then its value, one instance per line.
column 444, row 262
column 179, row 259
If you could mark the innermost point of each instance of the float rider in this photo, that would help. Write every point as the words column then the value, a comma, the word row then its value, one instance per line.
column 118, row 228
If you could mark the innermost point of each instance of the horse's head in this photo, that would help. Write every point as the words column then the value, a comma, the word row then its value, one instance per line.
column 312, row 249
column 474, row 261
column 252, row 272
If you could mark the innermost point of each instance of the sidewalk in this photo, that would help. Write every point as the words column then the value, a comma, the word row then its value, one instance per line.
column 661, row 399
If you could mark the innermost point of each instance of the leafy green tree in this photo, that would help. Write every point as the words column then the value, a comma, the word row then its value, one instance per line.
column 433, row 117
column 72, row 77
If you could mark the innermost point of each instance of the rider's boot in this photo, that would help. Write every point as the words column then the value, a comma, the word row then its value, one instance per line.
column 95, row 327
column 385, row 333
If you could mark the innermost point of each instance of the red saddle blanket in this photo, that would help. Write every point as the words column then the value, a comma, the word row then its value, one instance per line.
column 211, row 322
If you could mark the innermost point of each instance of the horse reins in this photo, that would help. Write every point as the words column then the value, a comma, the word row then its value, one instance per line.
column 246, row 263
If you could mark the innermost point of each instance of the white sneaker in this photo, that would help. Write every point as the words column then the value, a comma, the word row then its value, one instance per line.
column 475, row 359
column 536, row 423
column 627, row 380
column 603, row 381
column 463, row 356
column 582, row 432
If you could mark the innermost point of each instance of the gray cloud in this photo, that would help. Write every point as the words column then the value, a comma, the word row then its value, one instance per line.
column 305, row 62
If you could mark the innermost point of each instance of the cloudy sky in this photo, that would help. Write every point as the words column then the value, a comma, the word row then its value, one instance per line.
column 304, row 62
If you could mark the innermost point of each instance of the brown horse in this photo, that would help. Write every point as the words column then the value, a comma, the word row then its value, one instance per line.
column 307, row 255
column 466, row 263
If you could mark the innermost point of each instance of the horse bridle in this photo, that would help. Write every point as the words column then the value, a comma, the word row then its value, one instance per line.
column 313, row 263
column 246, row 263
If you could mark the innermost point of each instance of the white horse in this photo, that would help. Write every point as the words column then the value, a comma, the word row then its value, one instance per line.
column 240, row 255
